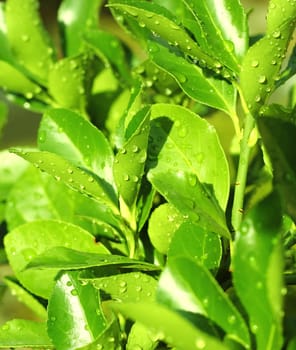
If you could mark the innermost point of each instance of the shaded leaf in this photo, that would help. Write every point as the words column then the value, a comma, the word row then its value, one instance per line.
column 64, row 258
column 74, row 18
column 30, row 35
column 187, row 285
column 26, row 298
column 166, row 325
column 193, row 242
column 257, row 271
column 23, row 333
column 27, row 241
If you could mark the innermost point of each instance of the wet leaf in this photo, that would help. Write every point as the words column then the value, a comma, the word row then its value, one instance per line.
column 74, row 18
column 193, row 242
column 187, row 285
column 23, row 333
column 64, row 258
column 180, row 170
column 27, row 241
column 72, row 137
column 74, row 177
column 166, row 325
column 75, row 317
column 257, row 271
column 140, row 337
column 206, row 89
column 26, row 38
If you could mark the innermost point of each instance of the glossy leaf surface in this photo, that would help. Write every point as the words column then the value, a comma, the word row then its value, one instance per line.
column 287, row 10
column 70, row 80
column 167, row 325
column 23, row 333
column 74, row 18
column 163, row 223
column 65, row 258
column 223, row 29
column 193, row 242
column 26, row 298
column 128, row 287
column 187, row 285
column 217, row 93
column 140, row 337
column 75, row 317
column 74, row 177
column 257, row 271
column 277, row 130
column 5, row 53
column 69, row 135
column 130, row 161
column 30, row 35
column 27, row 241
column 180, row 169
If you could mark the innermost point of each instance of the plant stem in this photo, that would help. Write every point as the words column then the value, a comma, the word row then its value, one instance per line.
column 238, row 201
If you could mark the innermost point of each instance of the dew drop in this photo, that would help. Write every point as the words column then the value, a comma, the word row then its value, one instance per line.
column 277, row 34
column 255, row 63
column 99, row 347
column 123, row 284
column 90, row 179
column 192, row 180
column 200, row 344
column 262, row 79
column 182, row 132
column 74, row 292
column 257, row 98
column 254, row 328
column 28, row 254
column 5, row 327
column 69, row 284
column 42, row 136
column 25, row 38
column 135, row 179
column 138, row 288
column 135, row 149
column 231, row 319
column 126, row 177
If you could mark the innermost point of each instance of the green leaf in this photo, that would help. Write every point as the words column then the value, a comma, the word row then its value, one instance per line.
column 128, row 287
column 70, row 81
column 288, row 14
column 23, row 333
column 140, row 338
column 163, row 24
column 223, row 30
column 163, row 223
column 27, row 241
column 64, row 258
column 74, row 177
column 167, row 324
column 25, row 39
column 25, row 297
column 278, row 130
column 5, row 53
column 74, row 18
column 75, row 317
column 72, row 137
column 217, row 93
column 262, row 64
column 130, row 161
column 187, row 285
column 13, row 80
column 111, row 51
column 257, row 271
column 3, row 116
column 193, row 242
column 181, row 170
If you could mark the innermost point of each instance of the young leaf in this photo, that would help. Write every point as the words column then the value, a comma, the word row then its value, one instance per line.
column 130, row 161
column 257, row 271
column 26, row 298
column 187, row 285
column 74, row 177
column 74, row 18
column 277, row 130
column 140, row 337
column 166, row 325
column 70, row 80
column 180, row 169
column 72, row 137
column 223, row 30
column 128, row 287
column 288, row 14
column 75, row 317
column 217, row 93
column 163, row 223
column 27, row 241
column 193, row 242
column 24, row 334
column 30, row 35
column 64, row 258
